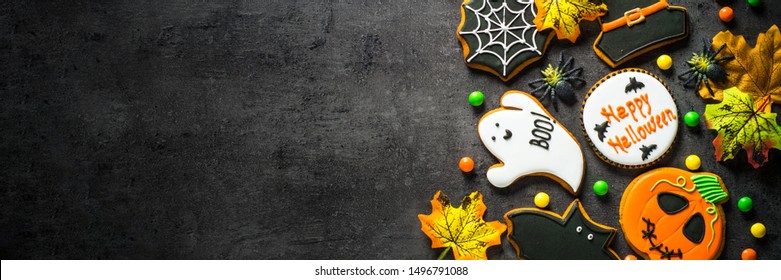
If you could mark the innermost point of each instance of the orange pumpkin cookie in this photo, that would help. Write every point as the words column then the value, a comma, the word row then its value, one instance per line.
column 671, row 214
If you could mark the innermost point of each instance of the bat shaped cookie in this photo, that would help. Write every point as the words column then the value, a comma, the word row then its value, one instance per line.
column 633, row 85
column 647, row 150
column 543, row 235
column 528, row 141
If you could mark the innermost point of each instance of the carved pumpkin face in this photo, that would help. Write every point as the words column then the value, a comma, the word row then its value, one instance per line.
column 669, row 213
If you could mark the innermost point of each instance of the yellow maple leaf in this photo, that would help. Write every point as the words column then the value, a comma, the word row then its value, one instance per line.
column 461, row 228
column 754, row 70
column 564, row 15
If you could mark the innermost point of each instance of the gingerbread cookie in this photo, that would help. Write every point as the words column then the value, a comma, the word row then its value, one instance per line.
column 499, row 36
column 633, row 27
column 673, row 214
column 630, row 119
column 544, row 235
column 527, row 140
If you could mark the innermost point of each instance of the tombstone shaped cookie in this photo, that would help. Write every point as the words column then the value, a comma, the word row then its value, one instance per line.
column 633, row 27
column 528, row 141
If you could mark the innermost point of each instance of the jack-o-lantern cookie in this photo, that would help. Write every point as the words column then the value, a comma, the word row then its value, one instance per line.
column 543, row 235
column 673, row 214
column 529, row 141
column 630, row 118
column 500, row 37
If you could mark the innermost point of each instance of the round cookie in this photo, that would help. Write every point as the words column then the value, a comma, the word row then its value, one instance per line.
column 500, row 37
column 528, row 141
column 630, row 119
column 671, row 214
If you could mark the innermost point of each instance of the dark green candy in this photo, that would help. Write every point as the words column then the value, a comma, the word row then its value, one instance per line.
column 745, row 204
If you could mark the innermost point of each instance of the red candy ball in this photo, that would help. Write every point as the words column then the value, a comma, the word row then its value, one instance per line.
column 466, row 164
column 726, row 14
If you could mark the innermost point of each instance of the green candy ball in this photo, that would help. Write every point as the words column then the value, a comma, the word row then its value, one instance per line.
column 745, row 204
column 476, row 98
column 600, row 188
column 754, row 3
column 691, row 119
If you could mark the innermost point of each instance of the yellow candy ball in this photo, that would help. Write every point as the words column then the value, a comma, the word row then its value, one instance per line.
column 541, row 200
column 664, row 62
column 693, row 162
column 758, row 230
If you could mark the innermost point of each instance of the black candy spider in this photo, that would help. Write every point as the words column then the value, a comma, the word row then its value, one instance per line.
column 704, row 66
column 559, row 80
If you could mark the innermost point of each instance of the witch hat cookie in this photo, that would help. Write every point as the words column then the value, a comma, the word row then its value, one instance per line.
column 633, row 27
column 529, row 141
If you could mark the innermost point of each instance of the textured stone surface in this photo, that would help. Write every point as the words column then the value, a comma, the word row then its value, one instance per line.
column 287, row 129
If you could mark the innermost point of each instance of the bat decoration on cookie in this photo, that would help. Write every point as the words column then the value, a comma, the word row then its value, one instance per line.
column 601, row 129
column 647, row 150
column 544, row 235
column 633, row 85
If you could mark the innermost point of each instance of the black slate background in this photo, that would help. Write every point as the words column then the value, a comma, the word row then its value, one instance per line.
column 199, row 129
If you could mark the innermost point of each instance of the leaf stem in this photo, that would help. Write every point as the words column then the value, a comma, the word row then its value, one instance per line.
column 764, row 103
column 442, row 256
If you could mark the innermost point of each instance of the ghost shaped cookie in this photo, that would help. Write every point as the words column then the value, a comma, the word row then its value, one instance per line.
column 528, row 141
column 543, row 235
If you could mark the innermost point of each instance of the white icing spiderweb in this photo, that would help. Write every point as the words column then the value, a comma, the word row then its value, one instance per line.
column 500, row 25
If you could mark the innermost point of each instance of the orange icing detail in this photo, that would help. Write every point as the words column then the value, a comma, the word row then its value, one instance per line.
column 635, row 16
column 640, row 201
column 642, row 128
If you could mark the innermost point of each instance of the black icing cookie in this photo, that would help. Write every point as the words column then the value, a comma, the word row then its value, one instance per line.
column 499, row 36
column 633, row 27
column 543, row 235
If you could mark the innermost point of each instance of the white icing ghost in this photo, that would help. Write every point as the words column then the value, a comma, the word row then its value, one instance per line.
column 527, row 140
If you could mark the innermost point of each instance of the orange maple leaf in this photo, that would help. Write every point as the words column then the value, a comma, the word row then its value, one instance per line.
column 461, row 228
column 754, row 70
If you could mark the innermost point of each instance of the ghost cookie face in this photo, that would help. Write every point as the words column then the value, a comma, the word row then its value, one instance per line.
column 630, row 119
column 673, row 214
column 527, row 140
column 544, row 235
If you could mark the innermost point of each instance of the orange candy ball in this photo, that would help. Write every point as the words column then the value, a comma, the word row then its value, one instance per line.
column 726, row 14
column 630, row 258
column 466, row 164
column 748, row 254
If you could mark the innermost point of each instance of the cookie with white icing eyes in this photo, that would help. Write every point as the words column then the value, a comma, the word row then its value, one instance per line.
column 543, row 235
column 528, row 141
column 500, row 36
